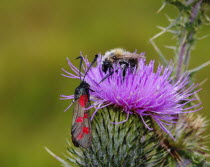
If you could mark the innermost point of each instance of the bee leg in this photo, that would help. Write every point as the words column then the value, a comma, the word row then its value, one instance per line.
column 91, row 90
column 106, row 77
column 107, row 65
column 124, row 67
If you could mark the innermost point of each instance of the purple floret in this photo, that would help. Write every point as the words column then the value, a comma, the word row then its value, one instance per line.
column 144, row 91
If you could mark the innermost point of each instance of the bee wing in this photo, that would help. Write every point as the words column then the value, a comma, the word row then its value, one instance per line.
column 81, row 134
column 133, row 55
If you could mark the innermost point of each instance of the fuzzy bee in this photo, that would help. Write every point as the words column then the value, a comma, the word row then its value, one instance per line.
column 122, row 57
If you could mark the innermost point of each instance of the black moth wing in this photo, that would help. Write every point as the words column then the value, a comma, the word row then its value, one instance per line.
column 85, row 142
column 80, row 138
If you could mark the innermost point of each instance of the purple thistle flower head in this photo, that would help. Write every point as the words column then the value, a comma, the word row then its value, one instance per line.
column 144, row 91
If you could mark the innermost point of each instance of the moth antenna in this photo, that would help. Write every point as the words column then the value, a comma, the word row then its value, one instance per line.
column 94, row 60
column 80, row 66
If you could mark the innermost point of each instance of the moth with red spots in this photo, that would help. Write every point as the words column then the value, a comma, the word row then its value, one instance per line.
column 81, row 126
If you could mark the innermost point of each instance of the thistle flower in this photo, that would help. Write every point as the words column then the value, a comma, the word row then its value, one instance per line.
column 143, row 91
column 190, row 145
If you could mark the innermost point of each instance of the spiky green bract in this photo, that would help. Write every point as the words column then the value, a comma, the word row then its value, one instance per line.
column 128, row 144
column 184, row 29
column 189, row 149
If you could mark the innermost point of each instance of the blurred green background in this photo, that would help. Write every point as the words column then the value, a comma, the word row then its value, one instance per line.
column 36, row 36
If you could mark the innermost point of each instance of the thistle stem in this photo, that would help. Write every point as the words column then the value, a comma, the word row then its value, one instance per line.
column 180, row 59
column 186, row 44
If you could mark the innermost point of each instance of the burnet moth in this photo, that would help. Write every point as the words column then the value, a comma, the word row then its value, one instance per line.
column 81, row 126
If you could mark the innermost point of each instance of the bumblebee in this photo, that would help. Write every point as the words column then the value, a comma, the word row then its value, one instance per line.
column 122, row 57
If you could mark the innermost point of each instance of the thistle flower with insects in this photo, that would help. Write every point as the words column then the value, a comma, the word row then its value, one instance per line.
column 143, row 91
column 126, row 102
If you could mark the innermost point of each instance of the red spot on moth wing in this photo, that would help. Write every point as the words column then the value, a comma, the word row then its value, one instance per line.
column 83, row 100
column 80, row 136
column 85, row 130
column 85, row 115
column 79, row 119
